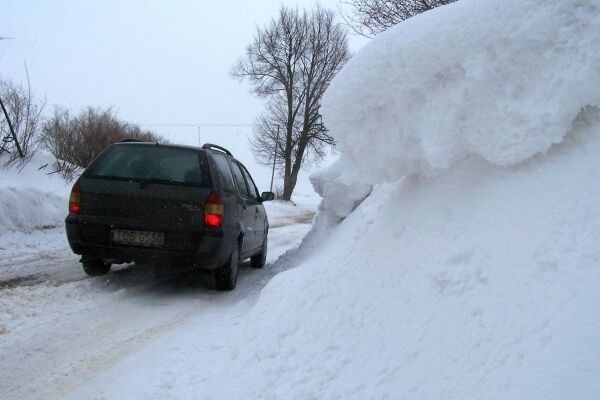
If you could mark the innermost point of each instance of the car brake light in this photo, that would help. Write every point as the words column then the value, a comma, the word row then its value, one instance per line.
column 75, row 199
column 213, row 211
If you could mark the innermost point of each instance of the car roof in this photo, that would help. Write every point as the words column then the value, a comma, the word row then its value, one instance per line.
column 178, row 146
column 215, row 150
column 172, row 146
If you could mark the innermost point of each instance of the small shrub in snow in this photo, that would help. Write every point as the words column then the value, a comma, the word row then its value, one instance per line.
column 77, row 140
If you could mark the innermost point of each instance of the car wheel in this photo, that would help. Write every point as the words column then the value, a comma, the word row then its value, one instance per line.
column 259, row 260
column 226, row 276
column 95, row 267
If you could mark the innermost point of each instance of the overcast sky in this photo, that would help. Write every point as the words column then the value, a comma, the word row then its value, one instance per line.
column 154, row 61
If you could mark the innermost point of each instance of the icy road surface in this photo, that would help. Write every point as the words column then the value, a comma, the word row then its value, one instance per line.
column 138, row 332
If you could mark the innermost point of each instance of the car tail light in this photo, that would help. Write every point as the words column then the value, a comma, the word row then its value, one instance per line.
column 75, row 199
column 213, row 211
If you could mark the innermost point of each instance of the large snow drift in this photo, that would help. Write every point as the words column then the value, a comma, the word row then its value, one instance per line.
column 502, row 80
column 480, row 284
column 457, row 251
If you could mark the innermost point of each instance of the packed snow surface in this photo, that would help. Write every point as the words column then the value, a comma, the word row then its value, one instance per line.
column 66, row 335
column 501, row 80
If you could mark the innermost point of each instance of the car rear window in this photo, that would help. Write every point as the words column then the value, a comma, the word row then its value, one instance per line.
column 151, row 163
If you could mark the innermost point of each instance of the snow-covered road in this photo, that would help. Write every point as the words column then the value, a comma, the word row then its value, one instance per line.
column 136, row 332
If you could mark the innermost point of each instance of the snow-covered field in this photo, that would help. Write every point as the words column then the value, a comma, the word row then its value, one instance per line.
column 455, row 254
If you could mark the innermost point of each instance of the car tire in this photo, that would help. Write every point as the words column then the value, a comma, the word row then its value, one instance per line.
column 259, row 260
column 226, row 276
column 95, row 267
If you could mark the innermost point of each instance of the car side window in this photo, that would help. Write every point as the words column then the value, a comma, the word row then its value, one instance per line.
column 251, row 186
column 225, row 172
column 241, row 182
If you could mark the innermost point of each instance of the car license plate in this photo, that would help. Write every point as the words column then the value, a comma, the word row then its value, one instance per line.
column 139, row 238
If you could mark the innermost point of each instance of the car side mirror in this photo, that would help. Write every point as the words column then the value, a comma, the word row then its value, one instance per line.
column 267, row 196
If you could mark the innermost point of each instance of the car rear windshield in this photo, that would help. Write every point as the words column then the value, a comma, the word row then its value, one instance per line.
column 151, row 163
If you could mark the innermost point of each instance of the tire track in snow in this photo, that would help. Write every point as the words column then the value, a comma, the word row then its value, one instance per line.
column 122, row 314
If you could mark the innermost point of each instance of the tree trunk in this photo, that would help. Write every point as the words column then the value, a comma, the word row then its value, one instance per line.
column 289, row 183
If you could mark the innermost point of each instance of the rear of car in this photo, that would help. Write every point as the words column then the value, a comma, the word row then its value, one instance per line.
column 147, row 202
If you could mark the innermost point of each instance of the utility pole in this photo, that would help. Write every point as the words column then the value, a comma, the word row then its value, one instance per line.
column 274, row 157
column 12, row 131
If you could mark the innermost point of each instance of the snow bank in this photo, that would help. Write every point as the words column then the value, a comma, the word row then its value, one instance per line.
column 501, row 80
column 479, row 284
column 457, row 251
column 30, row 198
column 282, row 213
column 27, row 209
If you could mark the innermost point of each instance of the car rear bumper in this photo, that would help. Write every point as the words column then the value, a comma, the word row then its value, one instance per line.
column 91, row 239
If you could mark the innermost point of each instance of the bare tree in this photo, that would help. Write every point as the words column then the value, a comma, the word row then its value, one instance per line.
column 291, row 62
column 371, row 17
column 24, row 117
column 76, row 140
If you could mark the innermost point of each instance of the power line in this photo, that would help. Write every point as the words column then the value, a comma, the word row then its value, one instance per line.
column 198, row 126
column 193, row 125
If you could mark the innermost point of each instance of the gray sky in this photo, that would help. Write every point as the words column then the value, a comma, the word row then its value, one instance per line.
column 154, row 61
